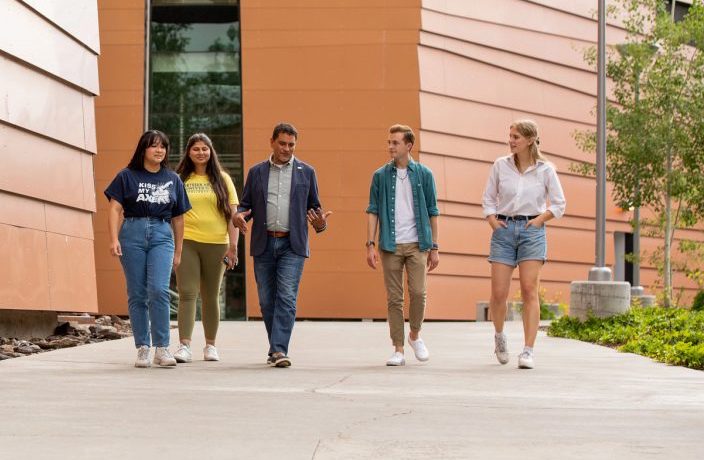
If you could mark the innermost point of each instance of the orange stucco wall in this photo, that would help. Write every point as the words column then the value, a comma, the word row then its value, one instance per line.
column 48, row 80
column 119, row 123
column 342, row 73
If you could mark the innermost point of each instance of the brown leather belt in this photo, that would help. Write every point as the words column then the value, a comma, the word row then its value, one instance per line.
column 278, row 234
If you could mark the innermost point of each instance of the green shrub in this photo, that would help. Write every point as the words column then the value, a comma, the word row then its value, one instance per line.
column 545, row 312
column 670, row 335
column 698, row 302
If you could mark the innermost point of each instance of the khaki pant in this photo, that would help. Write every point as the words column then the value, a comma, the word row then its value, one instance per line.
column 407, row 255
column 201, row 271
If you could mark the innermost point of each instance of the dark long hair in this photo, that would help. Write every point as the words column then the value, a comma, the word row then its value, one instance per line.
column 148, row 139
column 213, row 169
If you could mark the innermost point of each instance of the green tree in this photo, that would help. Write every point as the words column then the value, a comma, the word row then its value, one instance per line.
column 655, row 122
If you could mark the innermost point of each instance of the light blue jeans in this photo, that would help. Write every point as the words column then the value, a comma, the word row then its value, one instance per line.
column 147, row 256
column 278, row 273
column 515, row 243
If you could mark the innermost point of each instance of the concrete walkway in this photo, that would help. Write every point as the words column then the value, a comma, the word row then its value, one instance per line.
column 339, row 401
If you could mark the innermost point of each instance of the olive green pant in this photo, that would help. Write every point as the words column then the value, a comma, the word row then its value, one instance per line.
column 201, row 270
column 409, row 256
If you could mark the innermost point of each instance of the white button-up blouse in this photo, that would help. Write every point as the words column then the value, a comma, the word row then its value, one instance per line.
column 511, row 193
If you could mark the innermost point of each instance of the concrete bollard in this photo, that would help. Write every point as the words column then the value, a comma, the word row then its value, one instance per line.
column 513, row 310
column 599, row 298
column 644, row 300
column 482, row 311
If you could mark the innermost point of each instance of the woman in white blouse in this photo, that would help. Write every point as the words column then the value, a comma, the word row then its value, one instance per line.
column 522, row 193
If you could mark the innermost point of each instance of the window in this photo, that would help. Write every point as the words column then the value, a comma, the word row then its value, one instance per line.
column 195, row 86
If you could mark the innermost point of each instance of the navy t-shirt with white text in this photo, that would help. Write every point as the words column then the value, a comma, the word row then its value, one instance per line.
column 146, row 194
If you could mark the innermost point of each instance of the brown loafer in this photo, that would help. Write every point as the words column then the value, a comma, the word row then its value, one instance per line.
column 282, row 361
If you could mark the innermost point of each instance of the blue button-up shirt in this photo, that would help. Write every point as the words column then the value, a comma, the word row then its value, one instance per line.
column 382, row 197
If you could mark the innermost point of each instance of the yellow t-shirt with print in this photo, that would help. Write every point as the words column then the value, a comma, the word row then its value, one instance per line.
column 205, row 223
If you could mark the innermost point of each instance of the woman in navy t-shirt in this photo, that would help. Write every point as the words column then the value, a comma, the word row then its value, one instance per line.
column 152, row 200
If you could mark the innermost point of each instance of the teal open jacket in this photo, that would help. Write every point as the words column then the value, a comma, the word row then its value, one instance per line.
column 382, row 197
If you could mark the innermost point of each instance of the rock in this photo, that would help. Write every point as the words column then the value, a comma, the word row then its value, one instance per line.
column 82, row 329
column 107, row 332
column 97, row 329
column 64, row 329
column 112, row 335
column 116, row 320
column 68, row 341
column 42, row 343
column 67, row 334
column 104, row 321
column 28, row 349
column 48, row 345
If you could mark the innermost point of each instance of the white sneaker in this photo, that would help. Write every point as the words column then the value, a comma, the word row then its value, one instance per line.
column 525, row 360
column 210, row 353
column 501, row 347
column 183, row 354
column 396, row 359
column 142, row 357
column 419, row 348
column 163, row 357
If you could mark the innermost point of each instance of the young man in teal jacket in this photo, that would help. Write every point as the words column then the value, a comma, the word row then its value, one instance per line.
column 403, row 205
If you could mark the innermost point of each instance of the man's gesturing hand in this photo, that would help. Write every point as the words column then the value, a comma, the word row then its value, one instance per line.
column 318, row 219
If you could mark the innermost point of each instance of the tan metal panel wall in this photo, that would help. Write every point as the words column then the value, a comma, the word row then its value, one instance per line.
column 482, row 65
column 60, row 174
column 79, row 20
column 48, row 79
column 49, row 48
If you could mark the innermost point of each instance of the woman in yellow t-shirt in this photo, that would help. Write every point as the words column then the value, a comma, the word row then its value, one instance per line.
column 209, row 243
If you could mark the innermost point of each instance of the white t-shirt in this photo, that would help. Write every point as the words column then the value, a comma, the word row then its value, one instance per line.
column 405, row 218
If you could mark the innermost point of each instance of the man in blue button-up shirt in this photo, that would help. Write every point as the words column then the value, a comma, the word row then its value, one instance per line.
column 403, row 204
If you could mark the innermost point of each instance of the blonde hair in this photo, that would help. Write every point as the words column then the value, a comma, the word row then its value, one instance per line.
column 529, row 129
column 408, row 135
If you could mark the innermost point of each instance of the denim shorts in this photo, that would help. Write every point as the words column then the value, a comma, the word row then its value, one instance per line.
column 515, row 243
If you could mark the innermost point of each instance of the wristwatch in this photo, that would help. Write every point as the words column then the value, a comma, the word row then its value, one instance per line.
column 370, row 243
column 434, row 247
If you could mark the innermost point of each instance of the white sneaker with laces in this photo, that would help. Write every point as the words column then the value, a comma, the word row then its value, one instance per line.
column 419, row 348
column 396, row 359
column 163, row 357
column 501, row 347
column 525, row 360
column 210, row 353
column 142, row 357
column 183, row 354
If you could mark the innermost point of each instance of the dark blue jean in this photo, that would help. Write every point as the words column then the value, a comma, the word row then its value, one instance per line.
column 278, row 273
column 147, row 256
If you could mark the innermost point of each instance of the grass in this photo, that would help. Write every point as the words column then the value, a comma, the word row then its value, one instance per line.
column 669, row 335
